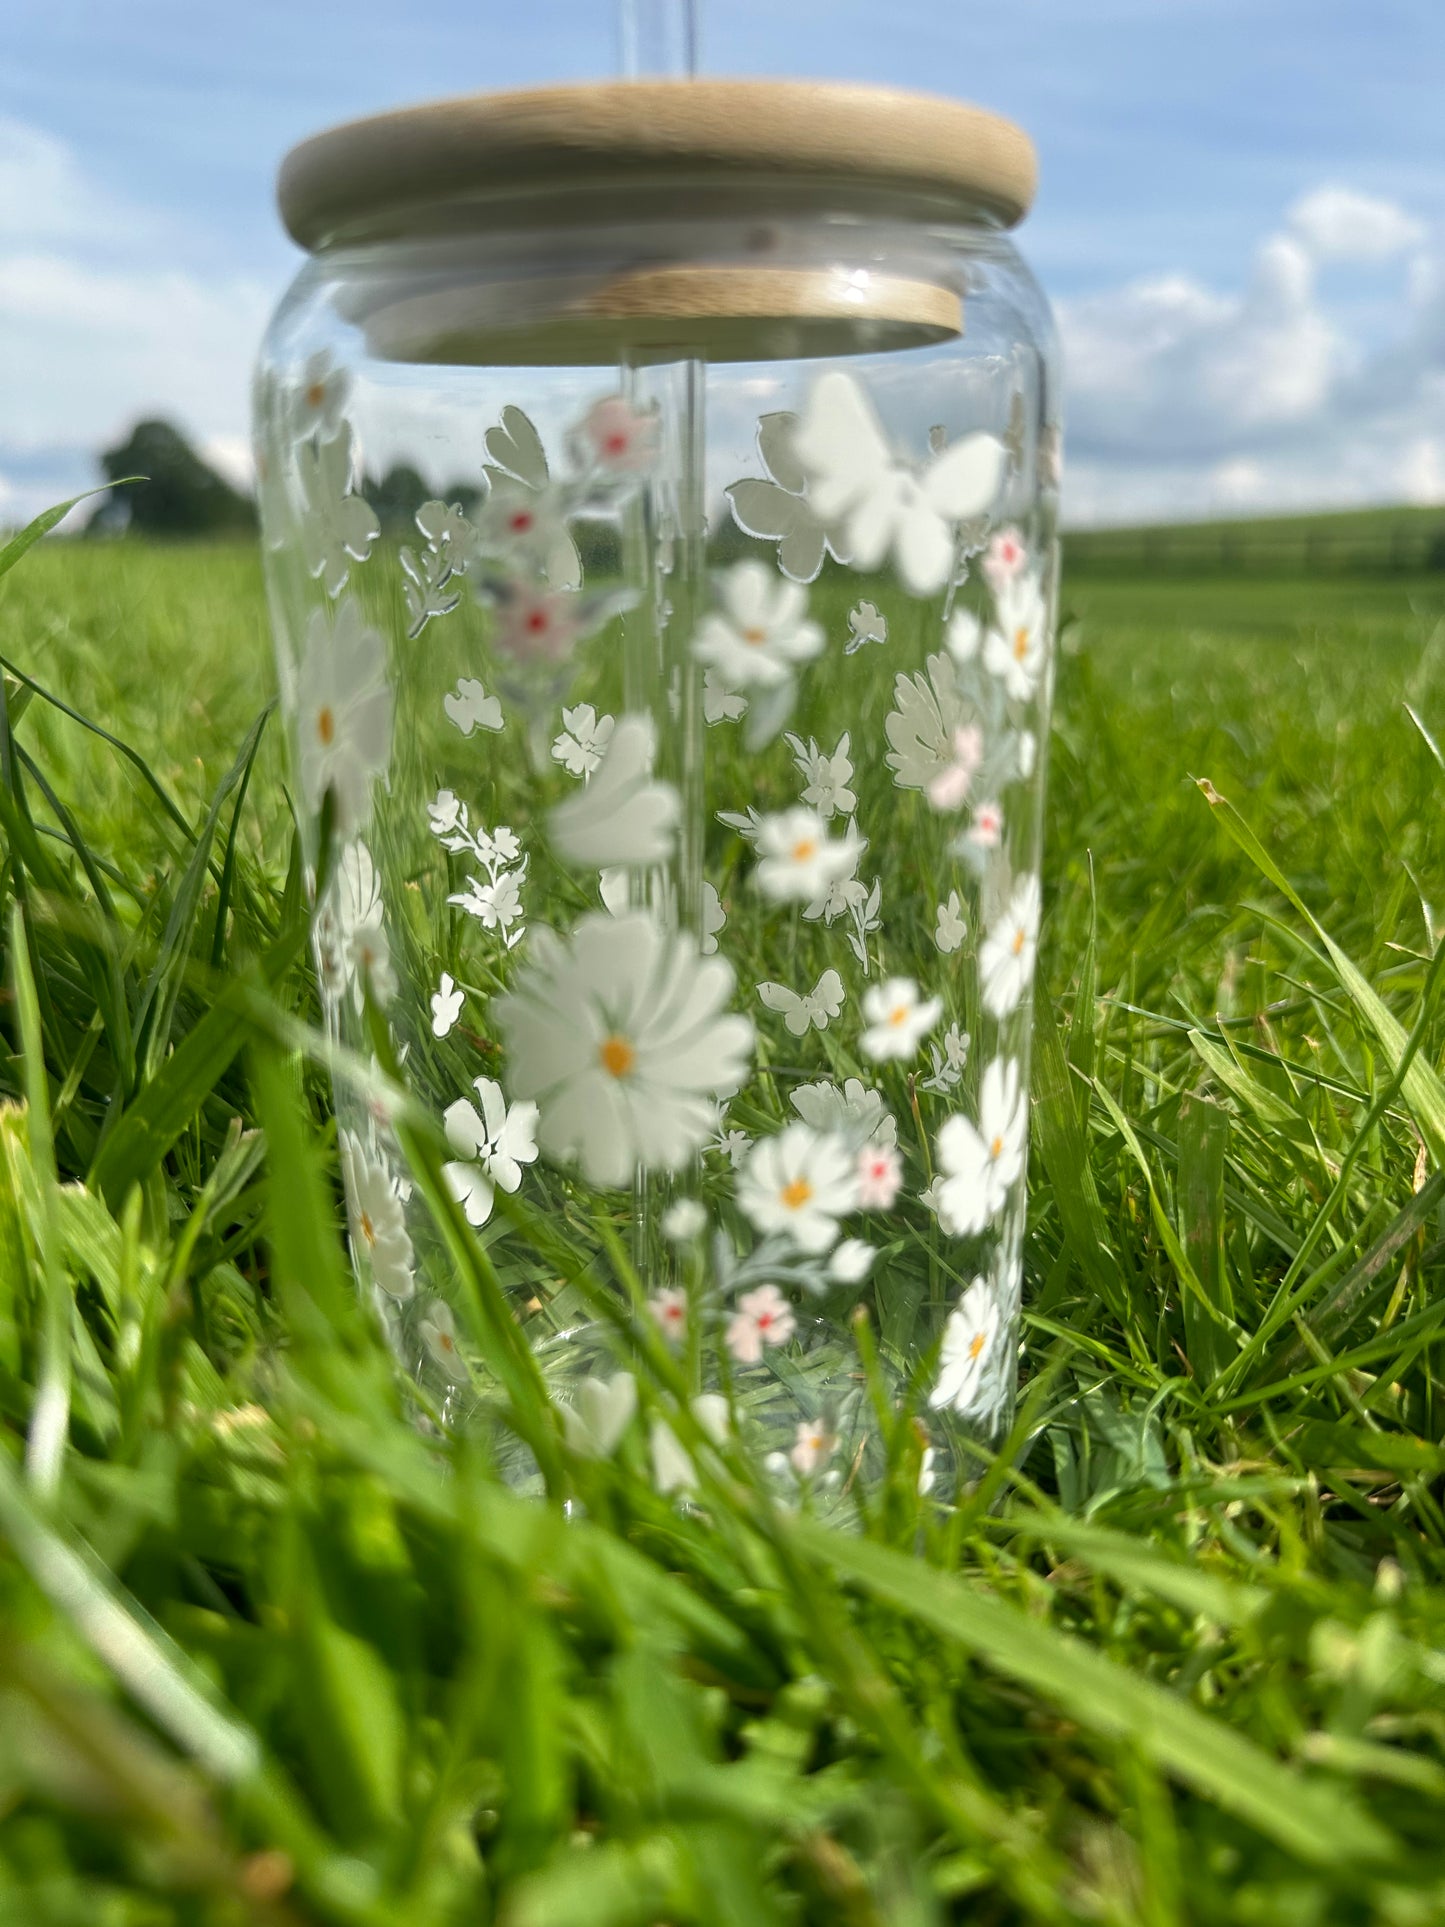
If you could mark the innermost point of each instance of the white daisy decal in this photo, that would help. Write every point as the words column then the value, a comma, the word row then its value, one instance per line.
column 1016, row 649
column 376, row 1217
column 761, row 632
column 622, row 1037
column 814, row 1445
column 898, row 1020
column 491, row 1147
column 979, row 1164
column 343, row 714
column 1006, row 956
column 438, row 1332
column 970, row 1378
column 320, row 398
column 800, row 1183
column 797, row 859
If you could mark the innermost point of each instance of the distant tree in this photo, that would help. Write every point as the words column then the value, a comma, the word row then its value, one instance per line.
column 397, row 495
column 180, row 496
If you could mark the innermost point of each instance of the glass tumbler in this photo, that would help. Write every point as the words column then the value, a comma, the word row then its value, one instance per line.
column 658, row 486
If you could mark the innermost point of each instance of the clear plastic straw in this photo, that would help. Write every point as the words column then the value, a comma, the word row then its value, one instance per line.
column 658, row 38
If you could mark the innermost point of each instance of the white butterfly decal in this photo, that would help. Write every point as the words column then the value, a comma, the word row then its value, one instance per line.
column 881, row 504
column 821, row 1005
column 778, row 509
column 470, row 707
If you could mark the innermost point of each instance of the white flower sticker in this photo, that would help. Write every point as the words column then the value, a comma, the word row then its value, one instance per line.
column 438, row 1332
column 684, row 1222
column 951, row 927
column 624, row 816
column 669, row 1308
column 1017, row 649
column 970, row 1381
column 376, row 1217
column 857, row 1112
column 898, row 1020
column 622, row 1037
column 980, row 1164
column 881, row 504
column 617, row 438
column 470, row 707
column 865, row 625
column 798, row 861
column 880, row 1177
column 850, row 1262
column 320, row 399
column 813, row 1446
column 343, row 714
column 336, row 528
column 584, row 739
column 491, row 1147
column 821, row 1004
column 446, row 1007
column 761, row 632
column 1005, row 559
column 763, row 1318
column 826, row 777
column 352, row 951
column 800, row 1183
column 1006, row 956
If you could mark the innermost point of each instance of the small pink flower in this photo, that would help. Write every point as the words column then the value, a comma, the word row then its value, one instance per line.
column 986, row 829
column 618, row 437
column 764, row 1317
column 949, row 788
column 880, row 1177
column 669, row 1308
column 1005, row 558
column 537, row 622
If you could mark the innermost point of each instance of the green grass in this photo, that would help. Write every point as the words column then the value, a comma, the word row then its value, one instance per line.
column 1347, row 542
column 271, row 1654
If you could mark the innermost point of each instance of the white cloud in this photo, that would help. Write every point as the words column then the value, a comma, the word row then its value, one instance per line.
column 1185, row 400
column 100, row 325
column 1337, row 224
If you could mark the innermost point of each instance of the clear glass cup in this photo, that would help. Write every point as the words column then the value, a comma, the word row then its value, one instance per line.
column 663, row 596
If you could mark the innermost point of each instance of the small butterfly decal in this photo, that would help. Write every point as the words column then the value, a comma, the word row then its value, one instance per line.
column 470, row 707
column 822, row 1003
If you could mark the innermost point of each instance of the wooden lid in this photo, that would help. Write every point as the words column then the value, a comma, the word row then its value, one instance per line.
column 363, row 176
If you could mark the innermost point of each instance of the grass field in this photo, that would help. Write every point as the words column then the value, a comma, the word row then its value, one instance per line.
column 272, row 1655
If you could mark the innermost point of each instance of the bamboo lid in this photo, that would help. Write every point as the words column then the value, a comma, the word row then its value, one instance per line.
column 366, row 175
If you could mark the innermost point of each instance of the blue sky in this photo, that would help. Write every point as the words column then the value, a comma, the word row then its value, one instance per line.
column 1241, row 217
